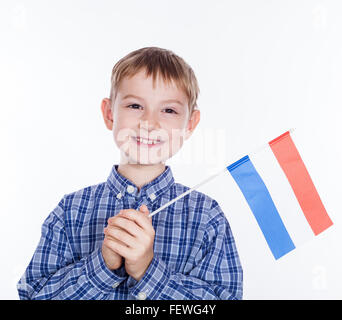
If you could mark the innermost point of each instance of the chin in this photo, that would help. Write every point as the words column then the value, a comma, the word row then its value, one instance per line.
column 144, row 160
column 133, row 155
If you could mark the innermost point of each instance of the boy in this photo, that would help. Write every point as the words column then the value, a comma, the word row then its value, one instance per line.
column 100, row 243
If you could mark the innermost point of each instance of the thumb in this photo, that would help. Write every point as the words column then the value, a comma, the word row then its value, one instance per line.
column 144, row 209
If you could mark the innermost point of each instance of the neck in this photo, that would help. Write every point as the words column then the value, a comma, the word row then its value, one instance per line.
column 141, row 174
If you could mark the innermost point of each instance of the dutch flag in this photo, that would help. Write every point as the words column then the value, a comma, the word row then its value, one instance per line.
column 281, row 195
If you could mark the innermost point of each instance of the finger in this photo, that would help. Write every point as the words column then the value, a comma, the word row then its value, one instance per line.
column 126, row 224
column 118, row 248
column 139, row 218
column 121, row 235
column 108, row 237
column 144, row 209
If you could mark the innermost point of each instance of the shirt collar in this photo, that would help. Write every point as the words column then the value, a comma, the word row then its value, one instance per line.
column 122, row 187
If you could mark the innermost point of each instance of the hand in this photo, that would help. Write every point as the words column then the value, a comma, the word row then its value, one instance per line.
column 112, row 259
column 131, row 235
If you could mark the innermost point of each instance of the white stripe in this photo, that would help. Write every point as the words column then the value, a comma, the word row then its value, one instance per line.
column 283, row 196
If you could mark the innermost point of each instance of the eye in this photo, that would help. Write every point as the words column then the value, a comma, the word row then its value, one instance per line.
column 134, row 104
column 172, row 111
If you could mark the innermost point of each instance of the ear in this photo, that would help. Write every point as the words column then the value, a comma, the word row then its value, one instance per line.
column 106, row 108
column 192, row 123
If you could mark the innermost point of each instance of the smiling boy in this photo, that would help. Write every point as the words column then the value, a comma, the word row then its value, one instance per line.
column 100, row 243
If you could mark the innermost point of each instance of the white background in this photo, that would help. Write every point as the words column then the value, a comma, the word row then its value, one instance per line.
column 263, row 67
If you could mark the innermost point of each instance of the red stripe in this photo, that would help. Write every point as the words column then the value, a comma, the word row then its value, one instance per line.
column 293, row 166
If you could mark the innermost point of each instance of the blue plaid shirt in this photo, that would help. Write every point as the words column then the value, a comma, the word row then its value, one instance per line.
column 195, row 256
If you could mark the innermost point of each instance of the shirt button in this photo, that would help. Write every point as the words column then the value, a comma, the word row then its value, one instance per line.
column 119, row 195
column 115, row 284
column 152, row 196
column 130, row 189
column 141, row 295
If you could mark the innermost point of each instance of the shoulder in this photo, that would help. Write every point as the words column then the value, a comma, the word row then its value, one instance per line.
column 81, row 201
column 84, row 195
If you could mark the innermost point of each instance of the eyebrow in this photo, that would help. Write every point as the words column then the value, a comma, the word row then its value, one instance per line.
column 164, row 101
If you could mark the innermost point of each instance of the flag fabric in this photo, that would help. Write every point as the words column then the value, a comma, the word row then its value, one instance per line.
column 281, row 195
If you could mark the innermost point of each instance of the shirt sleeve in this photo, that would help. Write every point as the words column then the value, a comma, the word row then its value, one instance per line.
column 216, row 275
column 54, row 274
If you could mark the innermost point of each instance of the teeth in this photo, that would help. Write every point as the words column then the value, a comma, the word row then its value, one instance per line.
column 145, row 141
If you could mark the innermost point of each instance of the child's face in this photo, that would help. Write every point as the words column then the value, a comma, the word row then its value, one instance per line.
column 149, row 114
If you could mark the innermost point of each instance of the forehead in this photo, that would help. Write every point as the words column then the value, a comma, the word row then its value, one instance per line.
column 142, row 85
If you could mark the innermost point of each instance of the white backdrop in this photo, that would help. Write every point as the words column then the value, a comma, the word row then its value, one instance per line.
column 263, row 67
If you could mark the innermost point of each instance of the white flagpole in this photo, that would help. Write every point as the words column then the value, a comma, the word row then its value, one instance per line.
column 185, row 193
column 206, row 180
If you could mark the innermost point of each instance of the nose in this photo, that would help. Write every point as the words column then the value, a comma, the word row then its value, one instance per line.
column 149, row 121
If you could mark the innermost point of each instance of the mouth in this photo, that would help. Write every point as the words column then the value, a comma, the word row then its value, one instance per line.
column 147, row 142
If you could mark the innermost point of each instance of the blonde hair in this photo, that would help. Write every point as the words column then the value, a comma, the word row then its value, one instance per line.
column 157, row 60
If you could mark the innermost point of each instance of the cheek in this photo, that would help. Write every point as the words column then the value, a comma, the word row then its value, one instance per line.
column 173, row 126
column 122, row 125
column 176, row 138
column 121, row 133
column 173, row 121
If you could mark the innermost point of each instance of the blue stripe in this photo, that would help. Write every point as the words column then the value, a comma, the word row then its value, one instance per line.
column 262, row 206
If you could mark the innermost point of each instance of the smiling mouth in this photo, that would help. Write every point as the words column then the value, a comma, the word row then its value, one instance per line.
column 147, row 142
